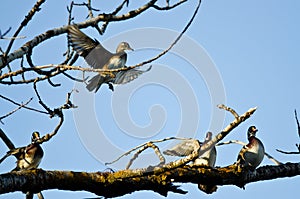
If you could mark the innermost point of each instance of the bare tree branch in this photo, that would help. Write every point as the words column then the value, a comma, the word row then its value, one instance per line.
column 55, row 111
column 146, row 146
column 119, row 184
column 5, row 33
column 196, row 152
column 168, row 7
column 118, row 9
column 6, row 140
column 40, row 74
column 297, row 145
column 174, row 42
column 2, row 36
column 18, row 104
column 29, row 16
column 227, row 129
column 15, row 110
column 141, row 146
column 7, row 58
column 297, row 121
column 222, row 106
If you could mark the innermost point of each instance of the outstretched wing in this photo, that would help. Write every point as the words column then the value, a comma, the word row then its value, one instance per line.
column 92, row 51
column 184, row 148
column 124, row 77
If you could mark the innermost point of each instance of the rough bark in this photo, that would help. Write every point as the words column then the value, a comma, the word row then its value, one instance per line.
column 109, row 184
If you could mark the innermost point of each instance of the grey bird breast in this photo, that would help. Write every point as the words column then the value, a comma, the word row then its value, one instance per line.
column 255, row 153
column 208, row 158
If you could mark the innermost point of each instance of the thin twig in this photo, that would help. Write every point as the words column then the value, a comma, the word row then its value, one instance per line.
column 5, row 33
column 28, row 17
column 168, row 7
column 173, row 44
column 297, row 121
column 204, row 147
column 73, row 78
column 196, row 152
column 18, row 104
column 105, row 24
column 22, row 67
column 4, row 60
column 89, row 7
column 2, row 36
column 15, row 110
column 36, row 79
column 49, row 111
column 146, row 146
column 287, row 152
column 70, row 19
column 48, row 136
column 6, row 140
column 142, row 145
column 13, row 38
column 222, row 106
column 58, row 111
column 238, row 120
column 297, row 145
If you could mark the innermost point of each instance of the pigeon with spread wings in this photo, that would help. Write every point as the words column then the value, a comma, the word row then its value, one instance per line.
column 208, row 158
column 99, row 58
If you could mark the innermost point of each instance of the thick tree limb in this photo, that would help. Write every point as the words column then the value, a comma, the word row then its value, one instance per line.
column 117, row 184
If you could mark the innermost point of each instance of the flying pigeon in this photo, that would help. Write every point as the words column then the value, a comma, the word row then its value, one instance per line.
column 28, row 157
column 99, row 58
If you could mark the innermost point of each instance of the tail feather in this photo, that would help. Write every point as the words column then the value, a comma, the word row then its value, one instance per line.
column 95, row 83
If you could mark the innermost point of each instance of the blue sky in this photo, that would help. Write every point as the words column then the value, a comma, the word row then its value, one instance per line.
column 242, row 53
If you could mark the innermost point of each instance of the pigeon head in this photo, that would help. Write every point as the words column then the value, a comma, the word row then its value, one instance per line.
column 208, row 136
column 35, row 136
column 123, row 46
column 251, row 131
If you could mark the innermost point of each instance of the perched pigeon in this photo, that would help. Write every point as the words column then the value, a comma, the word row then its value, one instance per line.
column 252, row 154
column 28, row 157
column 99, row 58
column 208, row 158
